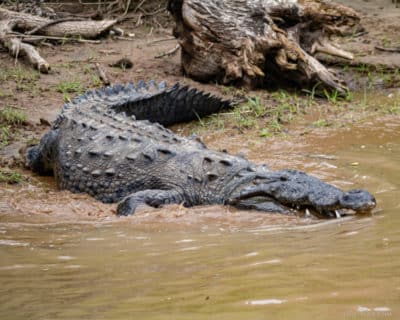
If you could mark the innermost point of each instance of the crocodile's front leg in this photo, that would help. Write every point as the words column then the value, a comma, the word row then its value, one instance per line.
column 151, row 197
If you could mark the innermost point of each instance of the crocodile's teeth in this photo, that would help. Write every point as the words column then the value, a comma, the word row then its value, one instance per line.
column 338, row 216
column 308, row 214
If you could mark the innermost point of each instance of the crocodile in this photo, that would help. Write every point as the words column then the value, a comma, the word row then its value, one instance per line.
column 113, row 144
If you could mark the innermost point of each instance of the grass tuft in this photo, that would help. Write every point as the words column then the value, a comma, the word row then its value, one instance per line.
column 10, row 177
column 67, row 87
column 10, row 118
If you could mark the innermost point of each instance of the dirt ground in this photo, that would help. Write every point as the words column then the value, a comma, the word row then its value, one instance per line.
column 375, row 94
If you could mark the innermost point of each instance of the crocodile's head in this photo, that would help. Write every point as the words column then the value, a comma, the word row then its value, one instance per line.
column 286, row 190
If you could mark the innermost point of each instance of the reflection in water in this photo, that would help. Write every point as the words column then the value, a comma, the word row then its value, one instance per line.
column 289, row 269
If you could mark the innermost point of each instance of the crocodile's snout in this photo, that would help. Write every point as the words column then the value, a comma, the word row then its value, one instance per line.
column 358, row 200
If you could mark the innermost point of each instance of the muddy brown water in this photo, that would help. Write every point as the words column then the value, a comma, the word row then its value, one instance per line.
column 215, row 262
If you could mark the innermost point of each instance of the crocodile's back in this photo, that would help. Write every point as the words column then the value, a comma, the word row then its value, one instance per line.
column 108, row 154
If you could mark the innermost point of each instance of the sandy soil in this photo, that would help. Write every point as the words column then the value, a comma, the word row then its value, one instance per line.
column 39, row 97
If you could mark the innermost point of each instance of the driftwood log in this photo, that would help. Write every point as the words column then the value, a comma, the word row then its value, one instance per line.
column 17, row 29
column 257, row 41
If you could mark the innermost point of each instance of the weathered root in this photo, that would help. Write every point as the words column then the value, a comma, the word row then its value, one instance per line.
column 323, row 46
column 17, row 48
column 13, row 23
column 245, row 41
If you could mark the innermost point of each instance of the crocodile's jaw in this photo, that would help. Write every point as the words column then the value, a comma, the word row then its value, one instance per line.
column 267, row 203
column 285, row 190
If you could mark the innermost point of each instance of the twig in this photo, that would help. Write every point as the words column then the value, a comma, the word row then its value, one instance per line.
column 168, row 53
column 395, row 49
column 139, row 5
column 94, row 3
column 50, row 23
column 148, row 14
column 16, row 53
column 361, row 33
column 102, row 74
column 127, row 7
column 139, row 21
column 42, row 37
column 15, row 46
column 118, row 31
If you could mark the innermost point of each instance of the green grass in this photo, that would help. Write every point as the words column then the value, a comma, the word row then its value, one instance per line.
column 19, row 75
column 96, row 81
column 92, row 74
column 68, row 87
column 332, row 96
column 10, row 177
column 245, row 115
column 5, row 135
column 12, row 116
column 266, row 117
column 266, row 133
column 321, row 123
column 10, row 119
column 24, row 80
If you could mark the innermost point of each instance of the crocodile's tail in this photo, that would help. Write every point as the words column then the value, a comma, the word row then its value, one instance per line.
column 174, row 105
column 156, row 102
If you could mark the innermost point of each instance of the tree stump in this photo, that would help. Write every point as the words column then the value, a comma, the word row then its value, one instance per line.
column 254, row 42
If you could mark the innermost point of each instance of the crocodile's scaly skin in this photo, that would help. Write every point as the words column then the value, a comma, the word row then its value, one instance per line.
column 112, row 144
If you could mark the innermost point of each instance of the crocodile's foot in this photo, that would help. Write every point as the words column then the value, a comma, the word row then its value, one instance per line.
column 152, row 198
column 292, row 189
